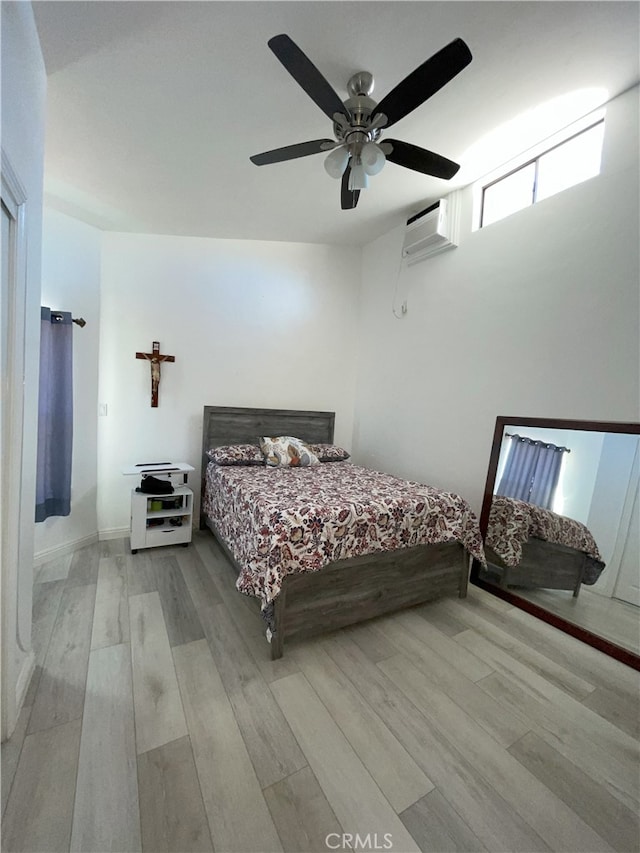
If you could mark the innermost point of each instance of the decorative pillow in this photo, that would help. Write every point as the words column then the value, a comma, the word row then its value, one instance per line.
column 285, row 451
column 330, row 452
column 236, row 454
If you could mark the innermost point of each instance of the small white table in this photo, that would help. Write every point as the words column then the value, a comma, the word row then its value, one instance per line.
column 165, row 470
column 161, row 519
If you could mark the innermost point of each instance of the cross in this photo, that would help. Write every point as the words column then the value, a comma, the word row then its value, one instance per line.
column 155, row 358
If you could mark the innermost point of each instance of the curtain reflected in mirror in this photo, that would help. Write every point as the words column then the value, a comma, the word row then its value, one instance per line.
column 560, row 522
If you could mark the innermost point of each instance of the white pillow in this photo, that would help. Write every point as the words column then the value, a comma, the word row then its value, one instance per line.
column 286, row 451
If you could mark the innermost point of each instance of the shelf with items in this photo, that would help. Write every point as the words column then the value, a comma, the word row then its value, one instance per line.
column 165, row 506
column 161, row 519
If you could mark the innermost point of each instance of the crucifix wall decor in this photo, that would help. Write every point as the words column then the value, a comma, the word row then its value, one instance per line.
column 155, row 357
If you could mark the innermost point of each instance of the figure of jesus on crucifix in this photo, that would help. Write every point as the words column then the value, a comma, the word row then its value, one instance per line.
column 155, row 357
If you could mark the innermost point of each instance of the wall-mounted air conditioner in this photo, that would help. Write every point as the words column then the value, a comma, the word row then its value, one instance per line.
column 431, row 231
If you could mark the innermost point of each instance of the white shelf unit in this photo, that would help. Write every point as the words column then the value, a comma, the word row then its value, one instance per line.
column 151, row 517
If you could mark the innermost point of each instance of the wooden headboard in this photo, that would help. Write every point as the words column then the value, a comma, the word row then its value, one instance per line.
column 229, row 425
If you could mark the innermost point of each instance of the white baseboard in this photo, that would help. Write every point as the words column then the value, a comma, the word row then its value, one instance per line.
column 68, row 547
column 61, row 550
column 113, row 533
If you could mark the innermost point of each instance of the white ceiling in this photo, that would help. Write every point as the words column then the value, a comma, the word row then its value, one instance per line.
column 155, row 107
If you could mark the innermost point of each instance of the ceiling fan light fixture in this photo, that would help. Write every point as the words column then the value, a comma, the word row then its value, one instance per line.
column 372, row 158
column 336, row 162
column 358, row 177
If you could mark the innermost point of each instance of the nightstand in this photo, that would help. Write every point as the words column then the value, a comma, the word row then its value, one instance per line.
column 164, row 519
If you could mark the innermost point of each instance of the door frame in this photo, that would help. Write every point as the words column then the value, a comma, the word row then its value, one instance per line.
column 17, row 659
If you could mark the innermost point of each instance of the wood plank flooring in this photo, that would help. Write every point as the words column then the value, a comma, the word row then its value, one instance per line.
column 107, row 772
column 610, row 618
column 156, row 721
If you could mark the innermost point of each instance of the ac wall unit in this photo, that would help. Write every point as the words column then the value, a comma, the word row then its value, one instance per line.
column 429, row 232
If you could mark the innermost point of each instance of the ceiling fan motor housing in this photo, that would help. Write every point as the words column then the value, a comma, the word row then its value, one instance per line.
column 360, row 107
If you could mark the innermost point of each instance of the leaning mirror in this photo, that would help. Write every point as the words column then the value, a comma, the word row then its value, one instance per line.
column 560, row 520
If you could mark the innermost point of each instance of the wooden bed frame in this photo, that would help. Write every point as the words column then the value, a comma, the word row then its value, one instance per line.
column 543, row 565
column 347, row 591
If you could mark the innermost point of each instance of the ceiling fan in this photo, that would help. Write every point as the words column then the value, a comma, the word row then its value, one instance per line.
column 358, row 123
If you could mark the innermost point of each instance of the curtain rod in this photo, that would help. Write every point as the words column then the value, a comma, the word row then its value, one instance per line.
column 535, row 440
column 80, row 321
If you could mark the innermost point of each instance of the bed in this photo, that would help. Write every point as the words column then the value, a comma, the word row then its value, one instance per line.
column 346, row 590
column 528, row 546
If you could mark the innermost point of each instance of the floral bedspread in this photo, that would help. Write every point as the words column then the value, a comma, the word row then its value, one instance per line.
column 512, row 522
column 278, row 521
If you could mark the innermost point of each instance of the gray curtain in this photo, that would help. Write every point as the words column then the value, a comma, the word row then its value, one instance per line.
column 532, row 471
column 545, row 477
column 55, row 415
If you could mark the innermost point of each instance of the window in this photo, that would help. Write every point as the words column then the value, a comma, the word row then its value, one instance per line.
column 568, row 163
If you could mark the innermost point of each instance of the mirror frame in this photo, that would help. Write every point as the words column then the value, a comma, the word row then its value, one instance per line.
column 624, row 655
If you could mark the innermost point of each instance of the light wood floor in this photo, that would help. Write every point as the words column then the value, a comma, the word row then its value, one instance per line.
column 156, row 721
column 617, row 621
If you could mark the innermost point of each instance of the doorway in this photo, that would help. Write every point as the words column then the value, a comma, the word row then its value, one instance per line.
column 628, row 583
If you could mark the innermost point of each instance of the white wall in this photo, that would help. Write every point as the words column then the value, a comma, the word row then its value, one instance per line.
column 23, row 104
column 249, row 323
column 536, row 315
column 71, row 282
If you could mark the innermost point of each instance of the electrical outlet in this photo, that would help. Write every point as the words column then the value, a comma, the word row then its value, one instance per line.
column 102, row 410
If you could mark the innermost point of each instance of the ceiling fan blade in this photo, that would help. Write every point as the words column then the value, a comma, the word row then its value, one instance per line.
column 421, row 160
column 305, row 73
column 290, row 152
column 348, row 198
column 425, row 81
